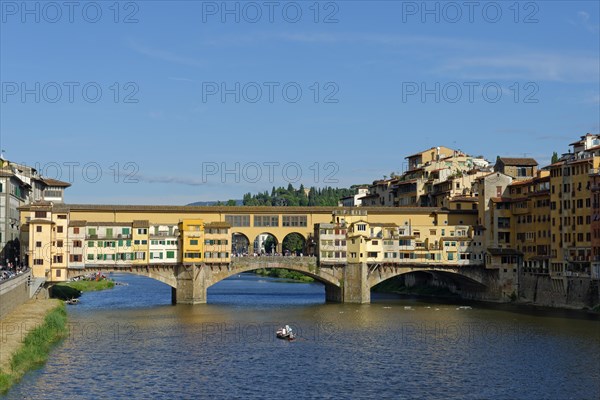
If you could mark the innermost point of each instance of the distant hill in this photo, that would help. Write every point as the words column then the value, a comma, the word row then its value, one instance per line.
column 216, row 203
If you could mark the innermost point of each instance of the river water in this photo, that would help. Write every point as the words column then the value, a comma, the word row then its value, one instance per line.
column 130, row 342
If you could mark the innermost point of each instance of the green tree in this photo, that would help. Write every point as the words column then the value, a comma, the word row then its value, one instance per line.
column 554, row 158
column 270, row 244
column 294, row 242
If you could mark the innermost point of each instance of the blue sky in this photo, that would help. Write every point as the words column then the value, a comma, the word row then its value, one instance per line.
column 378, row 81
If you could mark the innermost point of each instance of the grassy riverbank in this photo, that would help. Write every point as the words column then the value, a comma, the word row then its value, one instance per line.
column 285, row 274
column 90, row 286
column 36, row 347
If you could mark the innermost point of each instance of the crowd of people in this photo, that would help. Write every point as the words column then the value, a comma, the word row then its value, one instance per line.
column 10, row 270
column 287, row 253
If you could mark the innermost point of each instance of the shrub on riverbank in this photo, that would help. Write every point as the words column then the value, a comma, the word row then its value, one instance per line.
column 285, row 274
column 36, row 347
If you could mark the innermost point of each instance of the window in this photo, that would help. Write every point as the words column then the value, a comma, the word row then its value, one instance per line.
column 90, row 257
column 170, row 254
column 361, row 227
column 76, row 231
column 238, row 220
column 38, row 261
column 192, row 255
column 61, row 216
column 77, row 243
column 59, row 229
column 91, row 231
column 193, row 242
column 38, row 228
column 59, row 243
column 266, row 220
column 40, row 214
column 294, row 220
column 125, row 231
column 142, row 231
column 38, row 244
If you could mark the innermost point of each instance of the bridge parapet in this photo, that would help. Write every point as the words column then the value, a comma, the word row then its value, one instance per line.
column 274, row 261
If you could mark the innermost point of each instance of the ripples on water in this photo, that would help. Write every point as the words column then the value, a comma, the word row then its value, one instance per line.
column 130, row 342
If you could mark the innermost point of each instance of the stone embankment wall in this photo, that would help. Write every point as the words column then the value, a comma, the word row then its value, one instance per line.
column 13, row 293
column 576, row 292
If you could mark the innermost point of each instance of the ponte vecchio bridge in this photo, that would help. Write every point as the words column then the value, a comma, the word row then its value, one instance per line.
column 189, row 247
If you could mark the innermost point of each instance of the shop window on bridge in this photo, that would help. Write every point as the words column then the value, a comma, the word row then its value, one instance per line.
column 294, row 220
column 140, row 255
column 238, row 220
column 266, row 220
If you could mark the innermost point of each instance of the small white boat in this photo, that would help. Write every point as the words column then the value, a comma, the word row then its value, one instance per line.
column 286, row 333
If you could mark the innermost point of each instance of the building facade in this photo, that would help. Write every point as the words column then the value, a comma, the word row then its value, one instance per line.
column 20, row 185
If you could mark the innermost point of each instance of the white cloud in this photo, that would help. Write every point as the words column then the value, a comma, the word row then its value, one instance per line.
column 584, row 20
column 164, row 55
column 552, row 67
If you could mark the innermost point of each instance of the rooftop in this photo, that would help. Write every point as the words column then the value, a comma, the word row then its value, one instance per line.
column 512, row 161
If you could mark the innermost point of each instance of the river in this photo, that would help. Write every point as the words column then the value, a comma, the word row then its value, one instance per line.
column 130, row 342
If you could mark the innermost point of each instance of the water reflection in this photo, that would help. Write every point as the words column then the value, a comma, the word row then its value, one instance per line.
column 130, row 342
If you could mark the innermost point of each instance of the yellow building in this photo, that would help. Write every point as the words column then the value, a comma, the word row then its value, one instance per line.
column 217, row 242
column 570, row 208
column 191, row 242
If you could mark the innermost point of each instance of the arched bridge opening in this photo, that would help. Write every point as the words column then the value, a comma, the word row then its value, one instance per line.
column 329, row 277
column 426, row 280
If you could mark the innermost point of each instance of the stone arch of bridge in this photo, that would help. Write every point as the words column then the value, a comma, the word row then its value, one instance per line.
column 165, row 275
column 328, row 279
column 456, row 276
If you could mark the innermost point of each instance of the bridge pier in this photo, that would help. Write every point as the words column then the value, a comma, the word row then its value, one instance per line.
column 191, row 285
column 333, row 294
column 355, row 287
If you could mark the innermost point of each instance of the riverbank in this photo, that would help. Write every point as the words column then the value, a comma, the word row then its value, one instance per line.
column 287, row 274
column 28, row 334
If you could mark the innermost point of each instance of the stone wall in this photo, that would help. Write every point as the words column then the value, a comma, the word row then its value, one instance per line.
column 13, row 293
column 542, row 290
